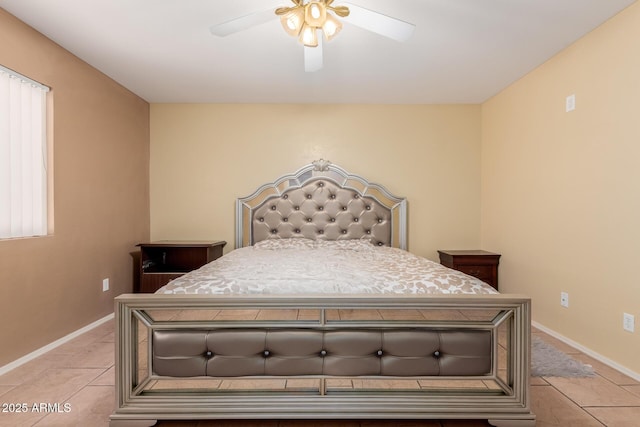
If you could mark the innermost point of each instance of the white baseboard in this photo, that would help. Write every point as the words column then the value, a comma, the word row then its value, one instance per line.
column 585, row 350
column 39, row 352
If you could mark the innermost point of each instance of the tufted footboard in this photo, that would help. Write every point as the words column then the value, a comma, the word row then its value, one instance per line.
column 202, row 357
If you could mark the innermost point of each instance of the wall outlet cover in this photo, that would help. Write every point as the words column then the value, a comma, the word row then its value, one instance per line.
column 628, row 322
column 564, row 299
column 570, row 103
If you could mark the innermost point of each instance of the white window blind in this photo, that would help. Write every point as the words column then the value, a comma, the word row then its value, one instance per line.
column 23, row 156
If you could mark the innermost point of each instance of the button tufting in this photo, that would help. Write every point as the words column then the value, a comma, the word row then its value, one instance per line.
column 297, row 230
column 344, row 231
column 356, row 219
column 320, row 208
column 323, row 353
column 333, row 196
column 380, row 220
column 266, row 353
column 368, row 231
column 344, row 208
column 379, row 353
column 321, row 184
column 261, row 219
column 273, row 208
column 285, row 219
column 380, row 244
column 286, row 196
column 208, row 354
column 297, row 208
column 308, row 196
column 332, row 220
column 274, row 231
column 356, row 196
column 368, row 208
column 436, row 354
column 309, row 220
column 320, row 231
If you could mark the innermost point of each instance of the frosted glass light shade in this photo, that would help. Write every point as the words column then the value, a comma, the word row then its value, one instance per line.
column 331, row 27
column 293, row 21
column 308, row 36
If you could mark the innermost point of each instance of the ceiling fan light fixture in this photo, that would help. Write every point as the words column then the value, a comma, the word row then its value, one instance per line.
column 309, row 36
column 303, row 20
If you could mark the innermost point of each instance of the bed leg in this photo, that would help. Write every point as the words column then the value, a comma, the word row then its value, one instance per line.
column 513, row 423
column 132, row 423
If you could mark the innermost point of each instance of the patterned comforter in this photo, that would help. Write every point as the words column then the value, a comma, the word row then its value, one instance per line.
column 303, row 266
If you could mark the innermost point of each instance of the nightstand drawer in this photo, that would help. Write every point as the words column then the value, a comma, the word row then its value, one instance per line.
column 482, row 272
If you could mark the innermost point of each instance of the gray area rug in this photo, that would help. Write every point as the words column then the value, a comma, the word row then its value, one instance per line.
column 548, row 361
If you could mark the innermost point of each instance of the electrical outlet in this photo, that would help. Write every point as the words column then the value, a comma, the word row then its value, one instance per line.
column 564, row 299
column 105, row 284
column 628, row 322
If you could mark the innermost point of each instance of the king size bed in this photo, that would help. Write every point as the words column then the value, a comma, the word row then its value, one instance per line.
column 321, row 313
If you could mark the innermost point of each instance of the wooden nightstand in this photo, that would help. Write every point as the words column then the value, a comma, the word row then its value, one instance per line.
column 166, row 260
column 480, row 264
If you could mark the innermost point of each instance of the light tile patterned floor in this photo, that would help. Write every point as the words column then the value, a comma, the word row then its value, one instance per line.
column 79, row 377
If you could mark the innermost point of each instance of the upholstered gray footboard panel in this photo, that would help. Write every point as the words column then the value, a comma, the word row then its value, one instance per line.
column 184, row 357
column 396, row 352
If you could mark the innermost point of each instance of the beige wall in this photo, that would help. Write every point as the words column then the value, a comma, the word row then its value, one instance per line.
column 53, row 286
column 560, row 191
column 205, row 156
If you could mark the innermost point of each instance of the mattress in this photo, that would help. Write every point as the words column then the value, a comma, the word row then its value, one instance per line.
column 319, row 267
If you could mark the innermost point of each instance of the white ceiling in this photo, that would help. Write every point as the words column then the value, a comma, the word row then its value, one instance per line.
column 463, row 51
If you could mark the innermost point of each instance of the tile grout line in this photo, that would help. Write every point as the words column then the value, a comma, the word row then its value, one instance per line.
column 582, row 408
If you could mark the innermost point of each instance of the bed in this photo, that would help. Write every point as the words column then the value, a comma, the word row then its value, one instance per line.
column 321, row 313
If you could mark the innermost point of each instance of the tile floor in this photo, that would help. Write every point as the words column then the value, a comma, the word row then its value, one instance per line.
column 79, row 377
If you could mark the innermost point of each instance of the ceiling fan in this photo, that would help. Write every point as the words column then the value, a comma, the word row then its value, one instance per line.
column 306, row 18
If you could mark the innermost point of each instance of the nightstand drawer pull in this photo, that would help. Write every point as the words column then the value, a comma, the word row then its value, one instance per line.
column 476, row 270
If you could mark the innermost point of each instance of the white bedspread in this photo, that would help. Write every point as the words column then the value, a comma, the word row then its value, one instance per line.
column 291, row 266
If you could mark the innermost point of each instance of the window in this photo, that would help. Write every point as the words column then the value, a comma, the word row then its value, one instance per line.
column 23, row 156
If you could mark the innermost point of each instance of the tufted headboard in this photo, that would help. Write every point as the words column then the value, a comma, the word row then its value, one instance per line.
column 322, row 201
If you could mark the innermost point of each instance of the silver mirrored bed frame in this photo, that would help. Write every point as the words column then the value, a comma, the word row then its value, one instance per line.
column 358, row 357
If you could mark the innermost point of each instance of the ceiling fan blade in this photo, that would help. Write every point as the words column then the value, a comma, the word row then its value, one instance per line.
column 244, row 22
column 313, row 57
column 378, row 23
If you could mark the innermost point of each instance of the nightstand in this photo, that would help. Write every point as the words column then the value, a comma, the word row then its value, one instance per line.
column 163, row 261
column 476, row 263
